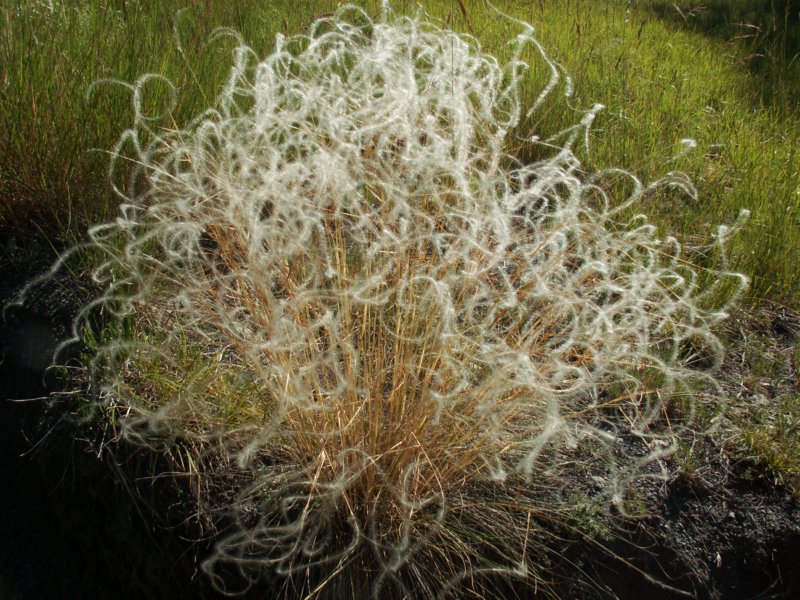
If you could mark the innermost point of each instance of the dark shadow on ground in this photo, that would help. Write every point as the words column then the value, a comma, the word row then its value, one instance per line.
column 70, row 527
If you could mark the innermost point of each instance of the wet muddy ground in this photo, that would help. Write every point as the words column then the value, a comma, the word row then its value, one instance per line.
column 78, row 525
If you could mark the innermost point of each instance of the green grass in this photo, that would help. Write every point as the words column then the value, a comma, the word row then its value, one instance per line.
column 663, row 75
column 770, row 441
column 661, row 83
column 61, row 112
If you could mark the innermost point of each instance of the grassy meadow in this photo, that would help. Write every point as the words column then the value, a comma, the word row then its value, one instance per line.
column 722, row 74
column 703, row 72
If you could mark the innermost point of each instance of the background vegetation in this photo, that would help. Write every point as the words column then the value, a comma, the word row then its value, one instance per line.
column 722, row 73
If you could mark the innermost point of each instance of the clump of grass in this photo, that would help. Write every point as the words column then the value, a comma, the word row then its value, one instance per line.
column 339, row 276
column 770, row 439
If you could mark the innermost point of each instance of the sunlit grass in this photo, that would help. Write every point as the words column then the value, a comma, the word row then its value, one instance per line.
column 660, row 81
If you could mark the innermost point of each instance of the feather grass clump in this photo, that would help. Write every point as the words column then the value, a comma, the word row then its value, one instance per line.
column 339, row 276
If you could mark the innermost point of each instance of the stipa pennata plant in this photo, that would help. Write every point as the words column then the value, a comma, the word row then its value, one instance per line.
column 340, row 277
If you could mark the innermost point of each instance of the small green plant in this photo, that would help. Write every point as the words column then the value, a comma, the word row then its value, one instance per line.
column 338, row 276
column 771, row 441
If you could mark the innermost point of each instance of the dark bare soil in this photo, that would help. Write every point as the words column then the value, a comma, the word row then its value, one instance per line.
column 76, row 524
column 723, row 538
